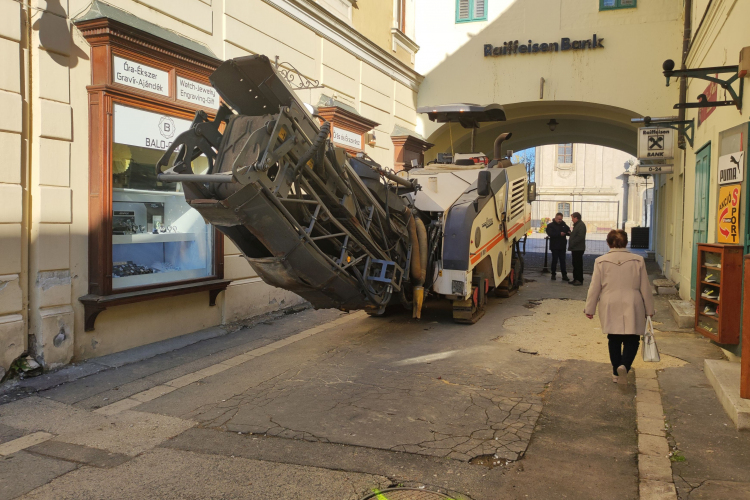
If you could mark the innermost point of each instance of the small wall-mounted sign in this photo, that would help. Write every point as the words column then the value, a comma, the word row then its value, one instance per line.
column 197, row 93
column 136, row 127
column 140, row 76
column 655, row 143
column 729, row 214
column 732, row 168
column 654, row 169
column 347, row 139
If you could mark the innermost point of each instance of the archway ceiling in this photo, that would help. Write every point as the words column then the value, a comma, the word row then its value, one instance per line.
column 579, row 122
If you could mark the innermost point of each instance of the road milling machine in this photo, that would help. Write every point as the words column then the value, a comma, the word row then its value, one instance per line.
column 342, row 231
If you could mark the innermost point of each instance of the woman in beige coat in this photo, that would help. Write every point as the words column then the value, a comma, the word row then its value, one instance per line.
column 621, row 288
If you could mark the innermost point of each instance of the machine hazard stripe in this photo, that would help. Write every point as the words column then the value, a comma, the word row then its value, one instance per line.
column 494, row 241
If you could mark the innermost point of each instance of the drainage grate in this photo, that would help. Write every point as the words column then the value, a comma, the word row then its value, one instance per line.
column 406, row 494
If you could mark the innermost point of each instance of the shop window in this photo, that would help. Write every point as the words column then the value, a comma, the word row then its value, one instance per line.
column 145, row 241
column 617, row 4
column 156, row 237
column 471, row 10
column 565, row 154
column 564, row 208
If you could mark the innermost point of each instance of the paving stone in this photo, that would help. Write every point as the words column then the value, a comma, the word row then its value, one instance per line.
column 646, row 384
column 80, row 454
column 645, row 373
column 657, row 490
column 652, row 445
column 654, row 468
column 8, row 433
column 666, row 290
column 23, row 472
column 649, row 410
column 648, row 397
column 652, row 426
column 10, row 447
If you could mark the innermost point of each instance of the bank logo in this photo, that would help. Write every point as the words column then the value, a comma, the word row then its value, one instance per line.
column 166, row 127
column 656, row 143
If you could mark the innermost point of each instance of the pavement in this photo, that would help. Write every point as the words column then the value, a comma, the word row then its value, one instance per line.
column 329, row 405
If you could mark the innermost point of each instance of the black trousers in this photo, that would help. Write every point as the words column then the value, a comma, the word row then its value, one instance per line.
column 622, row 350
column 578, row 266
column 559, row 255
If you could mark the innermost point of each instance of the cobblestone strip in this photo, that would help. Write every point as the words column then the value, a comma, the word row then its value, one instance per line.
column 654, row 466
column 167, row 387
column 24, row 442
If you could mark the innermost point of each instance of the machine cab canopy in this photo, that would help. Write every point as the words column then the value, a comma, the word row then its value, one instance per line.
column 468, row 115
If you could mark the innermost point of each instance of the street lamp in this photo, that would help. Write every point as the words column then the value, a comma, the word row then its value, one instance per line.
column 552, row 124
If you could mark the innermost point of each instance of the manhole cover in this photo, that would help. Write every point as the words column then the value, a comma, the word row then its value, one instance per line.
column 406, row 494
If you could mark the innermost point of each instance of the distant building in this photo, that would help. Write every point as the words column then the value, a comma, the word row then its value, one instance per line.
column 593, row 180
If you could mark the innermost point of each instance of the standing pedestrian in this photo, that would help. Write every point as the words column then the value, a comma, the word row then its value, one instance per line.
column 577, row 245
column 621, row 288
column 558, row 232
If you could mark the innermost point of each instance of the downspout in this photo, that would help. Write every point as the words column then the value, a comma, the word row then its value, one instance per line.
column 27, row 131
column 686, row 35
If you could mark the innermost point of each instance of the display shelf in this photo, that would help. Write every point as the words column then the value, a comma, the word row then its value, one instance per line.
column 124, row 239
column 154, row 278
column 725, row 262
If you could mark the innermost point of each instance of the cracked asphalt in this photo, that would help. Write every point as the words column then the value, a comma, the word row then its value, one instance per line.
column 269, row 411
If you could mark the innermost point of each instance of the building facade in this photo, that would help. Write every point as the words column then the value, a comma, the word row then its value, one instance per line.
column 596, row 181
column 97, row 255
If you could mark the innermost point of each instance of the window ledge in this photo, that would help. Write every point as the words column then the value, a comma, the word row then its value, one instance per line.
column 94, row 304
column 399, row 38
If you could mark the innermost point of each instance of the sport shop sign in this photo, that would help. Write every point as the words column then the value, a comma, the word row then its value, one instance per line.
column 144, row 129
column 655, row 143
column 513, row 47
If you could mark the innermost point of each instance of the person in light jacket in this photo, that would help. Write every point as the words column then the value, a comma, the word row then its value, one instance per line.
column 622, row 291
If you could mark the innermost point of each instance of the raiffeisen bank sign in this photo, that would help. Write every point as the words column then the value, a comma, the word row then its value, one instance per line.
column 513, row 47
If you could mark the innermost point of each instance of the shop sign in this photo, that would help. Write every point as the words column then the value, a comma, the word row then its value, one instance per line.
column 347, row 139
column 654, row 169
column 732, row 168
column 712, row 95
column 197, row 93
column 140, row 76
column 729, row 214
column 144, row 129
column 512, row 47
column 655, row 143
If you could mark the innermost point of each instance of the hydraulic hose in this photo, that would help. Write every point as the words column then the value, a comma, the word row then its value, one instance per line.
column 422, row 236
column 416, row 264
column 319, row 141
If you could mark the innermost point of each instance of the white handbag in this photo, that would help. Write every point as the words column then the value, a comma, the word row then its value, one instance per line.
column 650, row 351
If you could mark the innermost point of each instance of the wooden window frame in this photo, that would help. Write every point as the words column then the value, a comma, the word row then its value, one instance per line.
column 109, row 38
column 618, row 5
column 471, row 18
column 564, row 165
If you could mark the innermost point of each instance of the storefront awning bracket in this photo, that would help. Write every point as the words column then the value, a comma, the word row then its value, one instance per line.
column 684, row 128
column 710, row 75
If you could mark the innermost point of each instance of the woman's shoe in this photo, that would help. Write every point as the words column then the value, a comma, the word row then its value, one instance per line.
column 615, row 378
column 622, row 375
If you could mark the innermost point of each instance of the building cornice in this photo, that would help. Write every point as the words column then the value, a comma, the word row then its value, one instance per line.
column 326, row 25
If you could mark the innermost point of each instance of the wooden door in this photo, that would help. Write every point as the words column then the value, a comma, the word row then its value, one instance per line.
column 700, row 211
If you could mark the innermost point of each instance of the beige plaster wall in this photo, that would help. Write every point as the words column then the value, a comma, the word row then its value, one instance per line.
column 44, row 189
column 716, row 43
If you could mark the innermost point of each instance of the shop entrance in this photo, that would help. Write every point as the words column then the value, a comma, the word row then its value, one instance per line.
column 700, row 211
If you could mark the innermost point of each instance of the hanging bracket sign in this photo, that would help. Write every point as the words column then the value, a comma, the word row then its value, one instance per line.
column 732, row 168
column 655, row 143
column 654, row 169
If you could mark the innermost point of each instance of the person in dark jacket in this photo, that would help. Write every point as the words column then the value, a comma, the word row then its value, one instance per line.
column 558, row 232
column 577, row 245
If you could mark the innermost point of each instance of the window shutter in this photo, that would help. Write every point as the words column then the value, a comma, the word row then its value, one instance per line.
column 463, row 10
column 479, row 9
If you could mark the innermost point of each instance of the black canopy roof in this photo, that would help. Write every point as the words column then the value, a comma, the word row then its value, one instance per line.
column 468, row 115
